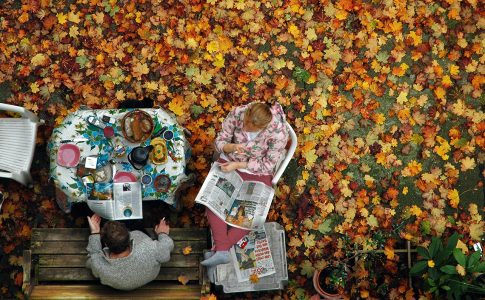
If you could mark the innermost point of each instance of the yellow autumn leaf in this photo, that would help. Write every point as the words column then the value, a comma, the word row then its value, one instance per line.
column 467, row 163
column 293, row 30
column 402, row 98
column 98, row 17
column 372, row 221
column 38, row 60
column 308, row 239
column 140, row 69
column 476, row 230
column 379, row 118
column 454, row 198
column 460, row 270
column 454, row 70
column 462, row 246
column 413, row 168
column 212, row 46
column 415, row 211
column 73, row 31
column 294, row 242
column 191, row 43
column 341, row 14
column 120, row 95
column 279, row 63
column 151, row 85
column 73, row 17
column 446, row 81
column 176, row 105
column 440, row 93
column 219, row 60
column 310, row 34
column 187, row 250
column 443, row 148
column 311, row 158
column 405, row 190
column 61, row 18
column 34, row 87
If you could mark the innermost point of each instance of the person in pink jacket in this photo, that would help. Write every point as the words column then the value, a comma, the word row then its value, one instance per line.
column 251, row 142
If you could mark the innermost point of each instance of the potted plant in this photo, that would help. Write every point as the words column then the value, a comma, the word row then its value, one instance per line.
column 330, row 281
column 448, row 271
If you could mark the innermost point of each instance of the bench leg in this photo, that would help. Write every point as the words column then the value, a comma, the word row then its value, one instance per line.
column 27, row 268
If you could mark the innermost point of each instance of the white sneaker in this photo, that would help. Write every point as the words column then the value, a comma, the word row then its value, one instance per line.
column 220, row 257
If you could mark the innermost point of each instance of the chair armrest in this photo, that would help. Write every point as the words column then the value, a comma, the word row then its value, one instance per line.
column 5, row 174
column 20, row 110
column 288, row 156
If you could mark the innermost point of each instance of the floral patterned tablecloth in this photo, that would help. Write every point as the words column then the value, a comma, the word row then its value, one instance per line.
column 75, row 126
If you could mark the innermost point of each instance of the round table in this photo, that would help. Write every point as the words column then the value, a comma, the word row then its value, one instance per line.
column 75, row 127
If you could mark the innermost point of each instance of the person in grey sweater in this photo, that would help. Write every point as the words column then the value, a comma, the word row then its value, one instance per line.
column 126, row 260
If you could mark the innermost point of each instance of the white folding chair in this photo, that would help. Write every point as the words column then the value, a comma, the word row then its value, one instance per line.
column 280, row 168
column 17, row 144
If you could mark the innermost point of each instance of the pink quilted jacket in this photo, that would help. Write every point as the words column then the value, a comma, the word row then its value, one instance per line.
column 264, row 151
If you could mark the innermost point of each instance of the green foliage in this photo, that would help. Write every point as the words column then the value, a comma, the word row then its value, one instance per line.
column 448, row 271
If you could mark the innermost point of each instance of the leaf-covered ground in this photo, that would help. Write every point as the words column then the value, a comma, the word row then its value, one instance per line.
column 385, row 97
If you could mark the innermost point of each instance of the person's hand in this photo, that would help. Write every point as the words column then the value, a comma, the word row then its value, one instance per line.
column 232, row 165
column 236, row 148
column 162, row 227
column 94, row 223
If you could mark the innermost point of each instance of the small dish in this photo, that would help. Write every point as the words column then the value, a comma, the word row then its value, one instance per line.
column 124, row 177
column 162, row 183
column 158, row 155
column 68, row 155
column 146, row 179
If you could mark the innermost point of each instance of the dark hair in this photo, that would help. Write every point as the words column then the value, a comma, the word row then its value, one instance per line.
column 115, row 236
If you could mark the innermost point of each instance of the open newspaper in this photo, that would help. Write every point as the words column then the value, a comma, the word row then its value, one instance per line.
column 125, row 205
column 252, row 255
column 242, row 204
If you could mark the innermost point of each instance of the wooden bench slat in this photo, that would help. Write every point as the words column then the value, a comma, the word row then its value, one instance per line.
column 72, row 260
column 79, row 247
column 80, row 274
column 151, row 291
column 81, row 234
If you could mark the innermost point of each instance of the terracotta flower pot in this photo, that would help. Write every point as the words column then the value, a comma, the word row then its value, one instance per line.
column 318, row 278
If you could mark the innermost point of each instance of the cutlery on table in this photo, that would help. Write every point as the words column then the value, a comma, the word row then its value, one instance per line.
column 74, row 140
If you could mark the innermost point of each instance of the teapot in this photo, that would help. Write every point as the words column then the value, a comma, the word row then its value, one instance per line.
column 138, row 157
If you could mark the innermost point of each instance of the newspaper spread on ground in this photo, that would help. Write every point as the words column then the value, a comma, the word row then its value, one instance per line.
column 243, row 204
column 125, row 205
column 225, row 274
column 252, row 255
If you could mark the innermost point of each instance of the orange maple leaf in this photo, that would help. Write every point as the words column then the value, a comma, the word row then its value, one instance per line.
column 183, row 279
column 187, row 250
column 253, row 278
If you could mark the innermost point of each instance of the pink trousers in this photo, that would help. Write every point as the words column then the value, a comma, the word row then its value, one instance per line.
column 225, row 235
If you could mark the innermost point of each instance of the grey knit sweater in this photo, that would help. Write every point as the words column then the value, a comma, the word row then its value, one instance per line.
column 141, row 266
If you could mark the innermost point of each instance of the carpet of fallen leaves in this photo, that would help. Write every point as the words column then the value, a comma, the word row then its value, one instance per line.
column 385, row 97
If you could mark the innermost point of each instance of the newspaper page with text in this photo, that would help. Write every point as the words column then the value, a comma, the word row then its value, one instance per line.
column 252, row 255
column 126, row 203
column 243, row 204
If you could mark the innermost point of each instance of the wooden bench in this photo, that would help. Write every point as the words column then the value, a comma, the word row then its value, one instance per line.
column 54, row 268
